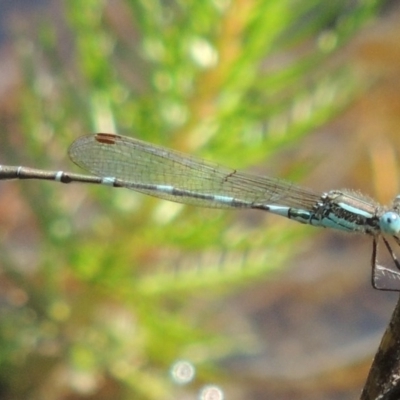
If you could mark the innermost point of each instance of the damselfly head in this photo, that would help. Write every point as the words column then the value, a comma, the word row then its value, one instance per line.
column 389, row 222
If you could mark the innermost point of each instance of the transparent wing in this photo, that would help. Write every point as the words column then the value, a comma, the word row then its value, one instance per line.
column 136, row 164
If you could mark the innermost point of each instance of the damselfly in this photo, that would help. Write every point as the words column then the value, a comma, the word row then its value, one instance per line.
column 121, row 161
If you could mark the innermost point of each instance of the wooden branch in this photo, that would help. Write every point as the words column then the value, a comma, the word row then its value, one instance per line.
column 383, row 382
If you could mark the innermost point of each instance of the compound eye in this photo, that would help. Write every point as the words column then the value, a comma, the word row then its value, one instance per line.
column 389, row 223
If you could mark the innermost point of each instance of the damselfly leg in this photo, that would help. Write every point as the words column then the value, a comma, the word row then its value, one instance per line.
column 383, row 277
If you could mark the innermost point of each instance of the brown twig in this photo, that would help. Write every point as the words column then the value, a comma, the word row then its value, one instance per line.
column 383, row 382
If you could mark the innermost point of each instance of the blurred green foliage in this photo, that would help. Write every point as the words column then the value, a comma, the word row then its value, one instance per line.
column 105, row 289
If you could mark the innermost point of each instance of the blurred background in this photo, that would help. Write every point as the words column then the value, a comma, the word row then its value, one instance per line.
column 110, row 294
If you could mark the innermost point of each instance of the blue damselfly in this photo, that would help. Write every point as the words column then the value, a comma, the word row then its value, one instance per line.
column 121, row 161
